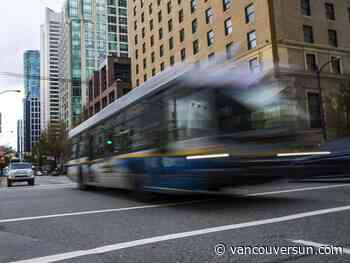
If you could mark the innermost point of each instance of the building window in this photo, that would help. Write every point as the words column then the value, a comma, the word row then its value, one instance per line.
column 159, row 2
column 145, row 77
column 226, row 4
column 183, row 54
column 153, row 72
column 171, row 43
column 251, row 37
column 194, row 26
column 332, row 38
column 170, row 25
column 254, row 66
column 143, row 32
column 193, row 5
column 336, row 67
column 305, row 8
column 137, row 82
column 209, row 15
column 136, row 40
column 210, row 38
column 137, row 69
column 161, row 51
column 144, row 63
column 162, row 66
column 195, row 45
column 104, row 102
column 229, row 50
column 249, row 13
column 311, row 62
column 172, row 60
column 151, row 24
column 330, row 14
column 152, row 41
column 160, row 16
column 111, row 96
column 308, row 34
column 160, row 33
column 181, row 16
column 228, row 26
column 150, row 9
column 135, row 25
column 144, row 48
column 153, row 57
column 168, row 5
column 136, row 53
column 135, row 11
column 142, row 17
column 182, row 35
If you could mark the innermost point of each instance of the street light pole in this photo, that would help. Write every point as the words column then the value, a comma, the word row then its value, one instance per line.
column 322, row 111
column 6, row 91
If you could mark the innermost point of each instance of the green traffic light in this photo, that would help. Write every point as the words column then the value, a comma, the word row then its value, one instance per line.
column 109, row 142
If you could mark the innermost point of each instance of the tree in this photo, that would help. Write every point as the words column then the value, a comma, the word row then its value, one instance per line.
column 53, row 146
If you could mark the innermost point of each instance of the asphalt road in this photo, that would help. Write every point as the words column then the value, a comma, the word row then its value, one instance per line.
column 55, row 222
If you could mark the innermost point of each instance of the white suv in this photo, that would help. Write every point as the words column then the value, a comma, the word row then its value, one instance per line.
column 20, row 172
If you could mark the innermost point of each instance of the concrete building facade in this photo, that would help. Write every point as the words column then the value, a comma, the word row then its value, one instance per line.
column 91, row 29
column 49, row 88
column 287, row 39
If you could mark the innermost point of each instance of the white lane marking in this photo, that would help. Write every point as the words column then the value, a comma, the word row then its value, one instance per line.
column 113, row 210
column 318, row 245
column 157, row 239
column 299, row 190
column 10, row 220
column 253, row 194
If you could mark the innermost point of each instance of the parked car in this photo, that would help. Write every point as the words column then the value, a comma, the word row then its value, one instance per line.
column 20, row 172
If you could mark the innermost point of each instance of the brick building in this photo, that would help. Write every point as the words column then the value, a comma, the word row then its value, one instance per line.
column 109, row 83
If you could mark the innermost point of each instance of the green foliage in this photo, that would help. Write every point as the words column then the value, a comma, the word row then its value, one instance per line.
column 53, row 146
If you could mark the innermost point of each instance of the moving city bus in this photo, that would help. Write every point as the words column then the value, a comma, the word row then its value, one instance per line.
column 190, row 128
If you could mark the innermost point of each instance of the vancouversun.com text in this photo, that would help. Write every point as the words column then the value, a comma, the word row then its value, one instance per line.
column 223, row 249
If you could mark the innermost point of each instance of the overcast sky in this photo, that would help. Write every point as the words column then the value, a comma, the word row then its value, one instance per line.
column 20, row 22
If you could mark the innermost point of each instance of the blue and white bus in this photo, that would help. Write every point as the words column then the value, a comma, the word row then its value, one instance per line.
column 190, row 128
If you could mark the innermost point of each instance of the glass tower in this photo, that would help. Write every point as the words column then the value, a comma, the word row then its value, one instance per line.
column 91, row 29
column 31, row 61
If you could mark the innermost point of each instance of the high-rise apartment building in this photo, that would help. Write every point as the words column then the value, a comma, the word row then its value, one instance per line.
column 49, row 90
column 288, row 40
column 91, row 29
column 31, row 102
